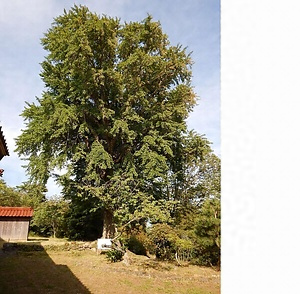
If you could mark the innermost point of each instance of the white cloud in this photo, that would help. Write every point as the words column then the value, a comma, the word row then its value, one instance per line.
column 23, row 20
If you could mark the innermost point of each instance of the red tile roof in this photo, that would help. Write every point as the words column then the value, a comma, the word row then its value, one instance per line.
column 16, row 211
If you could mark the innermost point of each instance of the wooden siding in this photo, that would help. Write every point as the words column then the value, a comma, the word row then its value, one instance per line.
column 14, row 229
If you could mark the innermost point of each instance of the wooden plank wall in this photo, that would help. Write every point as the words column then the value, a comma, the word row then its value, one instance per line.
column 14, row 229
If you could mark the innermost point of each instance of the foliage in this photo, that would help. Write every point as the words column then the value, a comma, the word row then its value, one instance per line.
column 208, row 232
column 196, row 238
column 138, row 243
column 209, row 174
column 113, row 116
column 170, row 243
column 195, row 234
column 15, row 196
column 83, row 221
column 201, row 175
column 49, row 218
column 164, row 238
column 114, row 255
column 34, row 192
column 9, row 196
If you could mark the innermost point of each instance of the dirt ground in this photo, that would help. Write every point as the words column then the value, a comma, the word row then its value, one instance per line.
column 73, row 271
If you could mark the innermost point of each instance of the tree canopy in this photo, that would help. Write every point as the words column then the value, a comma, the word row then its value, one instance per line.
column 23, row 195
column 113, row 116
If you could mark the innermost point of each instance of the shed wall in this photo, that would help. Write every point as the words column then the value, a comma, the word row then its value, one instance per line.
column 14, row 229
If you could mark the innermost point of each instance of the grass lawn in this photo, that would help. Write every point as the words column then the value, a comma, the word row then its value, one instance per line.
column 73, row 271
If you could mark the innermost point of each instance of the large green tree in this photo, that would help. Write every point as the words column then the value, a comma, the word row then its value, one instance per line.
column 113, row 116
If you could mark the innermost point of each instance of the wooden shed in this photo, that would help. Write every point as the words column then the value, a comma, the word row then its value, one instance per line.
column 14, row 222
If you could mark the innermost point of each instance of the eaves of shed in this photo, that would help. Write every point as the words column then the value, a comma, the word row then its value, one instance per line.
column 14, row 222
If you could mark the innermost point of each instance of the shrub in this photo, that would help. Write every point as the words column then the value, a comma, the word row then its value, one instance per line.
column 136, row 246
column 164, row 238
column 114, row 255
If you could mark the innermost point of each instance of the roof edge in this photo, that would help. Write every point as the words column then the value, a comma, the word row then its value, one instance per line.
column 9, row 211
column 3, row 145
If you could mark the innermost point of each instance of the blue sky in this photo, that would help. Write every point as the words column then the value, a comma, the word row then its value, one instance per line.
column 195, row 24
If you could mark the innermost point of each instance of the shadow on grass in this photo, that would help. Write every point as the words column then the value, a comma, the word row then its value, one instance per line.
column 36, row 239
column 27, row 268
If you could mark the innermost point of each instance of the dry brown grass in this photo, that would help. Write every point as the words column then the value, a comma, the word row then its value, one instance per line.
column 73, row 271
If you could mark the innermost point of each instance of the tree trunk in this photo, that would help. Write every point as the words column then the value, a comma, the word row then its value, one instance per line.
column 54, row 233
column 109, row 228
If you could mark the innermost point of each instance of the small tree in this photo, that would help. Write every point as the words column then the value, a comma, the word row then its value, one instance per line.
column 49, row 217
column 208, row 232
